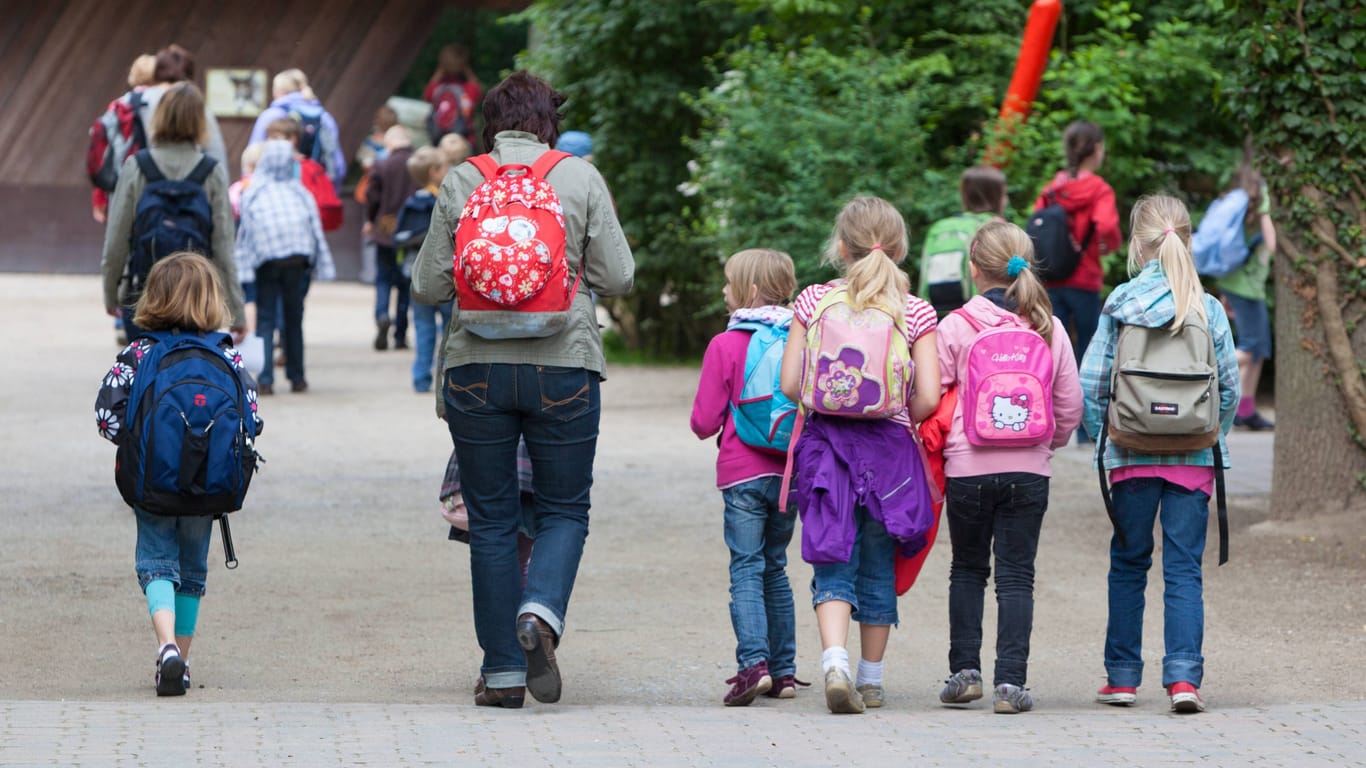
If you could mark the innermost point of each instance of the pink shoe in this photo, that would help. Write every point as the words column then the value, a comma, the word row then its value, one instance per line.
column 1185, row 698
column 1116, row 695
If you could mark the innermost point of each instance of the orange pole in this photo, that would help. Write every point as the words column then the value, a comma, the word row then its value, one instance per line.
column 1029, row 67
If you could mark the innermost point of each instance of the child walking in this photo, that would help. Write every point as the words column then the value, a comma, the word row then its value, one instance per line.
column 1163, row 292
column 427, row 166
column 759, row 286
column 997, row 478
column 183, row 295
column 854, row 519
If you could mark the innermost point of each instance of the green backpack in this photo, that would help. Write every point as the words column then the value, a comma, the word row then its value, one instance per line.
column 945, row 281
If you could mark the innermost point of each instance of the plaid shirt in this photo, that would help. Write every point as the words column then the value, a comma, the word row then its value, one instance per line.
column 280, row 218
column 1146, row 301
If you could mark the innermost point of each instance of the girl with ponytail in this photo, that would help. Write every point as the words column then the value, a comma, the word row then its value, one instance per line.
column 1162, row 293
column 997, row 494
column 858, row 583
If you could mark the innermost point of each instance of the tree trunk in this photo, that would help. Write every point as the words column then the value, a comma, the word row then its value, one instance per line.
column 1318, row 467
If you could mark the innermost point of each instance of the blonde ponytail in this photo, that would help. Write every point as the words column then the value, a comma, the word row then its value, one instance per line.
column 1161, row 231
column 993, row 251
column 868, row 244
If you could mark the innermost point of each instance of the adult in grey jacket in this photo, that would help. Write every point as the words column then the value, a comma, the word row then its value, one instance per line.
column 544, row 390
column 178, row 131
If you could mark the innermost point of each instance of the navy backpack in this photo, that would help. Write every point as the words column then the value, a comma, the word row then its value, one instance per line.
column 190, row 444
column 172, row 215
column 1056, row 254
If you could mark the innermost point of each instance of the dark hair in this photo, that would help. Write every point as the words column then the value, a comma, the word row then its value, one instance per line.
column 982, row 188
column 523, row 102
column 174, row 65
column 1079, row 141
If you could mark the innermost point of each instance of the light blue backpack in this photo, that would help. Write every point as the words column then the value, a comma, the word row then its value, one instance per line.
column 763, row 415
column 1218, row 245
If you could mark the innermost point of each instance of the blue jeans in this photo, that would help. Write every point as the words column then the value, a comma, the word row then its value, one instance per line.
column 429, row 334
column 175, row 549
column 868, row 581
column 1184, row 514
column 388, row 277
column 1077, row 310
column 994, row 515
column 556, row 410
column 282, row 281
column 761, row 609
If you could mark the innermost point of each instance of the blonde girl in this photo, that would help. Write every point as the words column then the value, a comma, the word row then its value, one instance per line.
column 1162, row 292
column 996, row 496
column 184, row 294
column 759, row 287
column 867, row 246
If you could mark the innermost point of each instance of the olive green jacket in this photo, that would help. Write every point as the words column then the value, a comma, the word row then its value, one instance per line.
column 593, row 238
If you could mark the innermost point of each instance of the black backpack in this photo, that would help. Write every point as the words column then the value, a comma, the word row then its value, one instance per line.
column 1056, row 254
column 172, row 215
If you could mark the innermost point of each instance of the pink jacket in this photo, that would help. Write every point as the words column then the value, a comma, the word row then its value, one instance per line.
column 963, row 459
column 723, row 376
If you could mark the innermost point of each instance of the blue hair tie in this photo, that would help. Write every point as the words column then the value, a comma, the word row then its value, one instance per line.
column 1016, row 265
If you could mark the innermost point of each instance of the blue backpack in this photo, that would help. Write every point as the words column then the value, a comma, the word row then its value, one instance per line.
column 414, row 218
column 310, row 120
column 763, row 416
column 190, row 444
column 1218, row 245
column 172, row 215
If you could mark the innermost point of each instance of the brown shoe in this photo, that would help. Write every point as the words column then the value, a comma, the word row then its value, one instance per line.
column 542, row 673
column 507, row 698
column 298, row 386
column 264, row 389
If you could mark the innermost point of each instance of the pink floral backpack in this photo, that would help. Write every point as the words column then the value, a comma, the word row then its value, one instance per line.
column 857, row 363
column 1007, row 397
column 511, row 276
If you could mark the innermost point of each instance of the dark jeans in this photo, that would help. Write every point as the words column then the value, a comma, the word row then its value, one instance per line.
column 388, row 277
column 994, row 514
column 556, row 410
column 1078, row 313
column 282, row 283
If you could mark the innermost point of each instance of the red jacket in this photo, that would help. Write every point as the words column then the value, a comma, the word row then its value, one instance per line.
column 934, row 431
column 1086, row 198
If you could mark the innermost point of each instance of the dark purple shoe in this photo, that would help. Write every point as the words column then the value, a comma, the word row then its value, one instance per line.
column 785, row 687
column 748, row 683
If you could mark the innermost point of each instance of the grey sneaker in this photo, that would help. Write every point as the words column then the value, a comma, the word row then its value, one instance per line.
column 962, row 686
column 840, row 695
column 1012, row 699
column 872, row 695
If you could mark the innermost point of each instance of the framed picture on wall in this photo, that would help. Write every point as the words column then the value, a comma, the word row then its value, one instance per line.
column 235, row 92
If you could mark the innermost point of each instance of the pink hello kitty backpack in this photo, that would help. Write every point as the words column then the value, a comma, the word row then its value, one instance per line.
column 1007, row 398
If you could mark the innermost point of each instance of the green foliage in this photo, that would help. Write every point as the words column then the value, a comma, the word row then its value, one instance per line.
column 493, row 39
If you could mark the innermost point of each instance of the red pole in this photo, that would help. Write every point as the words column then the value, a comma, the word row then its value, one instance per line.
column 1029, row 67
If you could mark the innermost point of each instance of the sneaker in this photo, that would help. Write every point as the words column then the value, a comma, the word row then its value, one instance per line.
column 747, row 684
column 1254, row 423
column 1117, row 695
column 170, row 679
column 1185, row 698
column 840, row 695
column 962, row 686
column 1012, row 699
column 785, row 687
column 187, row 674
column 264, row 389
column 382, row 336
column 872, row 695
column 400, row 342
column 298, row 386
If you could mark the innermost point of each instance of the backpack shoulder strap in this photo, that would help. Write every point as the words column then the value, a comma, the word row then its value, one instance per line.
column 976, row 326
column 201, row 170
column 485, row 164
column 139, row 133
column 148, row 166
column 547, row 161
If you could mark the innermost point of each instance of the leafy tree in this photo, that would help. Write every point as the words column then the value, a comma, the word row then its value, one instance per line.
column 1298, row 89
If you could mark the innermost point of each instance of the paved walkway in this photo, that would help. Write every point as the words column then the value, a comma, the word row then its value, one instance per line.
column 345, row 638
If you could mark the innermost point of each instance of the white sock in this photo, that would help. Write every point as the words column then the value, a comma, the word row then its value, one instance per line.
column 835, row 657
column 869, row 672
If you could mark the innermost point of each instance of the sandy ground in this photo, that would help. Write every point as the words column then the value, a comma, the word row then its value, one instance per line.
column 349, row 592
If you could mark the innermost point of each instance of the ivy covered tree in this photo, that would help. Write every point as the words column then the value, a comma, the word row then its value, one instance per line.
column 1299, row 91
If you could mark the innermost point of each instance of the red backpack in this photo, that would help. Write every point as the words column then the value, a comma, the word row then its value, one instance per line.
column 511, row 276
column 116, row 135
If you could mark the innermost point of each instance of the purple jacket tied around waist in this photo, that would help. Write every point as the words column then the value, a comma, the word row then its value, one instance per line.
column 843, row 464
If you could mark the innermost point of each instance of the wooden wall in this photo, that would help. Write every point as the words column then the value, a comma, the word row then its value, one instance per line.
column 61, row 61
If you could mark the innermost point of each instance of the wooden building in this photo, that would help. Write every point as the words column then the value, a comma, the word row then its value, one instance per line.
column 61, row 61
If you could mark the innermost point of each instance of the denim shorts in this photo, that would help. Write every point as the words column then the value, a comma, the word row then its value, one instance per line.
column 868, row 581
column 175, row 549
column 1251, row 325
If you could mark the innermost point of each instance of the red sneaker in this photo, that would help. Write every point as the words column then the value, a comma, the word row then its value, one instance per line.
column 1185, row 698
column 1117, row 695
